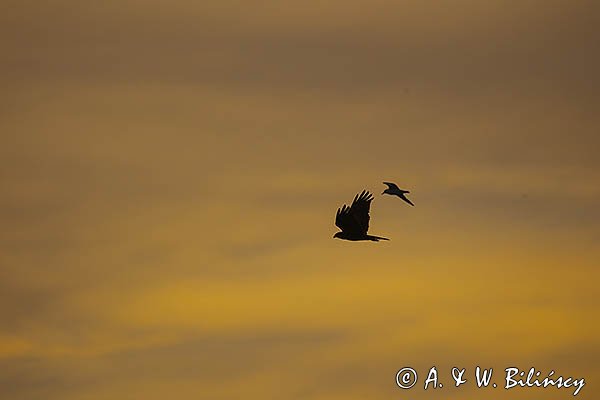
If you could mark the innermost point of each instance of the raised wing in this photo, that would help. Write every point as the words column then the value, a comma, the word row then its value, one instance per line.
column 391, row 185
column 355, row 219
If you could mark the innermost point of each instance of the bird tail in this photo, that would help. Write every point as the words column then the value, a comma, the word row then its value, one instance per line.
column 376, row 238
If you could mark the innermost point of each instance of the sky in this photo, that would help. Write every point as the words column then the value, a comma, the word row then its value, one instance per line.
column 170, row 173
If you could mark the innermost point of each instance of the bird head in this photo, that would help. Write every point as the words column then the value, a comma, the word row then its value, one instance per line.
column 385, row 191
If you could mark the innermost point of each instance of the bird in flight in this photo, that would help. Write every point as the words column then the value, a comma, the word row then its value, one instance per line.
column 354, row 220
column 393, row 189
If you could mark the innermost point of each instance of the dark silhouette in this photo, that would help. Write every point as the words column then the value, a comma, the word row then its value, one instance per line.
column 354, row 220
column 393, row 189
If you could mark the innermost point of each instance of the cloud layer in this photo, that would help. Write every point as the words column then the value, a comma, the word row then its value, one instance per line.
column 170, row 174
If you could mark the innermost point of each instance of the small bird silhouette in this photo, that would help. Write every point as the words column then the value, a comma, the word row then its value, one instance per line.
column 393, row 189
column 354, row 220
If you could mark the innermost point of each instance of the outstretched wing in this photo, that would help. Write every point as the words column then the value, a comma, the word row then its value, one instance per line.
column 354, row 220
column 391, row 185
column 406, row 199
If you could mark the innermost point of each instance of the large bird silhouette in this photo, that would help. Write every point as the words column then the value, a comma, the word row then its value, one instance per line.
column 354, row 220
column 393, row 189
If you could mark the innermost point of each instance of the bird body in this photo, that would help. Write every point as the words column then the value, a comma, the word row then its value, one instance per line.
column 354, row 238
column 394, row 190
column 354, row 220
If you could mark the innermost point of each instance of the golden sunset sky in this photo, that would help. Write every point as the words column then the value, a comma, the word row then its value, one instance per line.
column 170, row 172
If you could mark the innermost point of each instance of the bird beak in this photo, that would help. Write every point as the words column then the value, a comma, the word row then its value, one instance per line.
column 383, row 192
